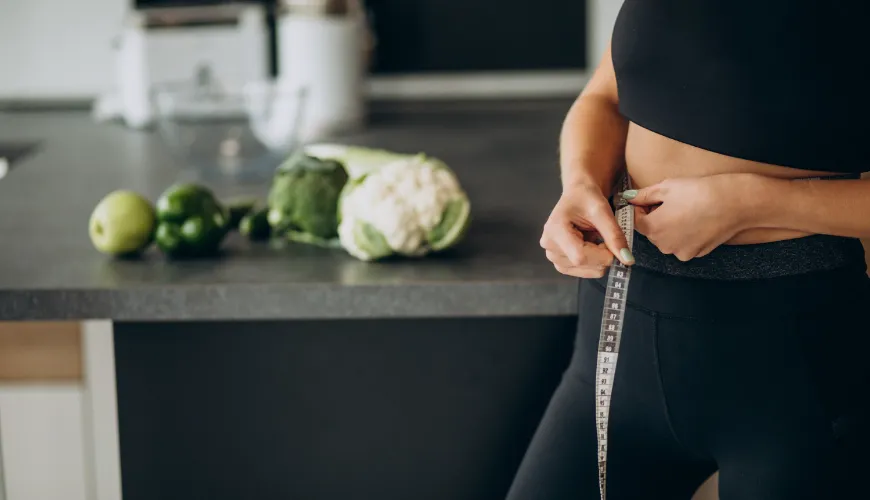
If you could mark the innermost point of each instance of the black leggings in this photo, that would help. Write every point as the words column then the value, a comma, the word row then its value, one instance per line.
column 765, row 381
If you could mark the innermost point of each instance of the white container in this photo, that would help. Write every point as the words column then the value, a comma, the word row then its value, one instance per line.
column 174, row 44
column 325, row 53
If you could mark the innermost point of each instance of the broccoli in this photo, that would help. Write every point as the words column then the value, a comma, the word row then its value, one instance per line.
column 303, row 198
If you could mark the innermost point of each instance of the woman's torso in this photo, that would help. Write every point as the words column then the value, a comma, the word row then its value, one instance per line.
column 767, row 87
column 651, row 158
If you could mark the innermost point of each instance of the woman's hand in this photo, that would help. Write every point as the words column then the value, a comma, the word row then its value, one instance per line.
column 577, row 224
column 690, row 217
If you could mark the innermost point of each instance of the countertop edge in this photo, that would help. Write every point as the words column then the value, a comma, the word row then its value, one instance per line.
column 276, row 302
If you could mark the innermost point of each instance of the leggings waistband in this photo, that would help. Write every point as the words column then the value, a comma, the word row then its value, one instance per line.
column 748, row 262
column 809, row 294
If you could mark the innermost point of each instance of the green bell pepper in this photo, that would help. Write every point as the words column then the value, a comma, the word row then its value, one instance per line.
column 255, row 225
column 191, row 222
column 238, row 208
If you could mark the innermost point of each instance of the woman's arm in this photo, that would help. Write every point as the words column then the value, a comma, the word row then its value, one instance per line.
column 592, row 151
column 592, row 142
column 835, row 207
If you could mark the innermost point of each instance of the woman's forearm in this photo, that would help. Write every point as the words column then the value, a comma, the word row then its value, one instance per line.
column 835, row 207
column 592, row 143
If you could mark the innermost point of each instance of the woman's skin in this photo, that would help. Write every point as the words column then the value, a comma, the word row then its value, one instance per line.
column 688, row 201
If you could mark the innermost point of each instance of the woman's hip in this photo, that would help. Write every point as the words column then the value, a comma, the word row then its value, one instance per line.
column 728, row 360
column 819, row 315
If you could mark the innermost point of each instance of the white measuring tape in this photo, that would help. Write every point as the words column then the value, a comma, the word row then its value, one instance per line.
column 611, row 334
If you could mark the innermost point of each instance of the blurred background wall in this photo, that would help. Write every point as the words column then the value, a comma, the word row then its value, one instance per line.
column 64, row 50
column 59, row 50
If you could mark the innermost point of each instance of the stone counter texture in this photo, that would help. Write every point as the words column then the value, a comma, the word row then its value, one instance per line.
column 504, row 154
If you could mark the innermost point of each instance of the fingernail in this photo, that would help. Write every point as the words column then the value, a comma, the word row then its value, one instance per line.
column 629, row 194
column 626, row 256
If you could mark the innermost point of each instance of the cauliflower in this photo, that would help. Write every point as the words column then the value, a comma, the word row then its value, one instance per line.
column 304, row 196
column 409, row 205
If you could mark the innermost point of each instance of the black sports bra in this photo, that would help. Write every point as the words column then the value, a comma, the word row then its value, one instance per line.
column 775, row 81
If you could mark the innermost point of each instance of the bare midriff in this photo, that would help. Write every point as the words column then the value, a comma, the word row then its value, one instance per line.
column 652, row 158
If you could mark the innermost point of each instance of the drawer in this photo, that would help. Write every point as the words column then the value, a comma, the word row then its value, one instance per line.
column 40, row 351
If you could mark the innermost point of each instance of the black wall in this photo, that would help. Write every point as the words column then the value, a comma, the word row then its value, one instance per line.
column 417, row 36
column 336, row 410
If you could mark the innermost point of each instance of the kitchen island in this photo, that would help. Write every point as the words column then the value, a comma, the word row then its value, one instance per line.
column 505, row 157
column 297, row 372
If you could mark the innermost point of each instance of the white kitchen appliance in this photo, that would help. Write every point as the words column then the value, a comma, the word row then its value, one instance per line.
column 324, row 46
column 175, row 44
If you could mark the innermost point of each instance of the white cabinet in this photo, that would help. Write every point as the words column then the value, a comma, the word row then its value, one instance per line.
column 58, row 440
column 43, row 448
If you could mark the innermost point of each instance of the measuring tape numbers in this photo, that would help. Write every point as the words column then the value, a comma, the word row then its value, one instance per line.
column 610, row 336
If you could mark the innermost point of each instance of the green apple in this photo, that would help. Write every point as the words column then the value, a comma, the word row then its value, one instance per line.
column 122, row 223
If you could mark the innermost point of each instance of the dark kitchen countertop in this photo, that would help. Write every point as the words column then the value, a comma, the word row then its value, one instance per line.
column 505, row 156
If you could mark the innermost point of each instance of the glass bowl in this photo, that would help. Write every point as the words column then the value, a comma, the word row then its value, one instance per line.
column 222, row 133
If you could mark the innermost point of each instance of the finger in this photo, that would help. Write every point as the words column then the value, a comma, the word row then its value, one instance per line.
column 551, row 242
column 561, row 260
column 562, row 242
column 685, row 255
column 593, row 237
column 558, row 259
column 605, row 222
column 585, row 270
column 641, row 223
column 582, row 271
column 590, row 235
column 706, row 249
column 597, row 254
column 605, row 254
column 568, row 242
column 704, row 252
column 547, row 243
column 647, row 222
column 652, row 195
